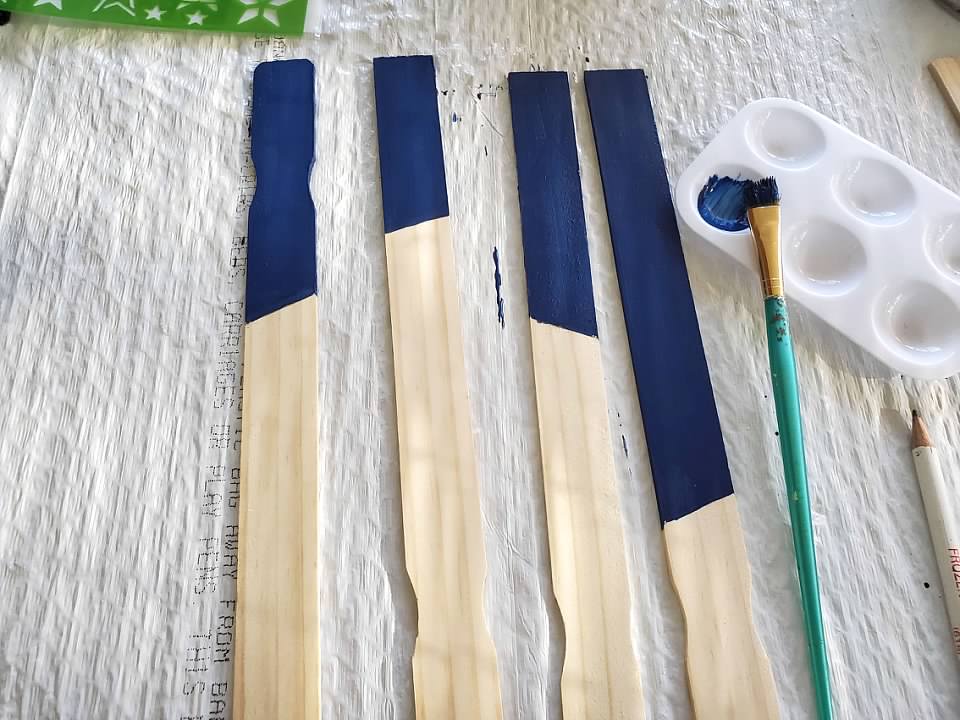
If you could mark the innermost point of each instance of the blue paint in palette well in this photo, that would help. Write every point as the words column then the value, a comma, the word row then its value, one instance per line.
column 722, row 204
column 555, row 256
column 281, row 224
column 684, row 439
column 412, row 177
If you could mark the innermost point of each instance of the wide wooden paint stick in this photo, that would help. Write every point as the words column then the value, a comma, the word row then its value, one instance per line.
column 277, row 663
column 727, row 668
column 601, row 677
column 940, row 508
column 454, row 664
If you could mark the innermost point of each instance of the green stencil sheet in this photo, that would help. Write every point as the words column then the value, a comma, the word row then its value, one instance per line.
column 278, row 17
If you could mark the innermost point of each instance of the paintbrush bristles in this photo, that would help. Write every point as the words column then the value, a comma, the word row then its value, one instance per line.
column 761, row 193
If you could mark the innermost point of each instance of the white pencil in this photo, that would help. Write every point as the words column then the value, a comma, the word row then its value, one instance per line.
column 942, row 521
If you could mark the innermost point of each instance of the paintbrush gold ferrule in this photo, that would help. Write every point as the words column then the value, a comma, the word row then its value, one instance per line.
column 765, row 225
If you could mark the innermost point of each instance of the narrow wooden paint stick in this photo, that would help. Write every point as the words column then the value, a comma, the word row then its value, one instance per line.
column 727, row 668
column 601, row 677
column 946, row 71
column 454, row 664
column 277, row 663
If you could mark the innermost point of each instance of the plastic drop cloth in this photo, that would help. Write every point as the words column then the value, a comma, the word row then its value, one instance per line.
column 123, row 192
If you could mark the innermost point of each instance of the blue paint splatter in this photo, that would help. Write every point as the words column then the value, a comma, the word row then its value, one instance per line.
column 497, row 281
column 454, row 118
column 626, row 452
column 721, row 203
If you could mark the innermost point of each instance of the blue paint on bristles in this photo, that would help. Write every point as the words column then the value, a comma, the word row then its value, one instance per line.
column 680, row 418
column 412, row 177
column 761, row 193
column 555, row 255
column 281, row 225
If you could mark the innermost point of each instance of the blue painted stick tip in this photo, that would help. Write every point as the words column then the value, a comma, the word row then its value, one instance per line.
column 684, row 439
column 555, row 251
column 409, row 61
column 281, row 225
column 542, row 82
column 412, row 176
column 288, row 78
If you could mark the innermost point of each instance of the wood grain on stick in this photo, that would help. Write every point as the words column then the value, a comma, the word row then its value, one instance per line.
column 454, row 665
column 277, row 661
column 708, row 565
column 600, row 676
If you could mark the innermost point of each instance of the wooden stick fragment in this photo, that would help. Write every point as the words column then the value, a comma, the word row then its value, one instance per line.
column 454, row 664
column 946, row 71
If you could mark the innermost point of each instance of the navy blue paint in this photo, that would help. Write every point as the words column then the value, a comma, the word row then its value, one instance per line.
column 555, row 255
column 684, row 440
column 281, row 232
column 411, row 153
column 497, row 281
column 722, row 203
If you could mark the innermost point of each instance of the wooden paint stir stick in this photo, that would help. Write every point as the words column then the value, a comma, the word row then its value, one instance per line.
column 277, row 666
column 454, row 665
column 601, row 677
column 727, row 668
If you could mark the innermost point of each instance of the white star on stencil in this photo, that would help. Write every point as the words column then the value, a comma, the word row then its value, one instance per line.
column 155, row 13
column 58, row 4
column 212, row 6
column 126, row 5
column 265, row 8
column 196, row 19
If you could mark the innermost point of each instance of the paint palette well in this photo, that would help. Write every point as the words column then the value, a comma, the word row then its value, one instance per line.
column 870, row 244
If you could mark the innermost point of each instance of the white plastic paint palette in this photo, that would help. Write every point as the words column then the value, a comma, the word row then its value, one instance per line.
column 871, row 245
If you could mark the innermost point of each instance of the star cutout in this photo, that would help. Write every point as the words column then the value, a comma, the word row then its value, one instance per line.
column 196, row 19
column 126, row 5
column 262, row 8
column 58, row 4
column 155, row 13
column 201, row 3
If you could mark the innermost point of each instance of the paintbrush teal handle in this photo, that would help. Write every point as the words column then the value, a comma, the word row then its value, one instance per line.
column 786, row 393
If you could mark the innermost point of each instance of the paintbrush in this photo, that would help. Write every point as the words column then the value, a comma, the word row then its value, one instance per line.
column 763, row 213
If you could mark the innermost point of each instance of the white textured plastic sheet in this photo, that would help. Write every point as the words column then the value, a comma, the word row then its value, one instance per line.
column 120, row 177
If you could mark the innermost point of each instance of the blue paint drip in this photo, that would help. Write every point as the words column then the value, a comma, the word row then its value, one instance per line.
column 412, row 177
column 454, row 118
column 722, row 204
column 281, row 224
column 556, row 259
column 497, row 283
column 680, row 419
